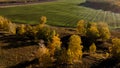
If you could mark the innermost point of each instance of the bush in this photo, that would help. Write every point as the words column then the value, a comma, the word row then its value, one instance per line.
column 74, row 51
column 92, row 48
column 93, row 31
column 43, row 20
column 44, row 33
column 81, row 27
column 43, row 55
column 12, row 28
column 116, row 48
column 104, row 31
column 21, row 29
column 55, row 44
column 29, row 31
column 4, row 23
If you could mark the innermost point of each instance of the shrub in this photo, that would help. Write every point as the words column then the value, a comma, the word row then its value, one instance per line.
column 116, row 48
column 43, row 20
column 21, row 29
column 104, row 31
column 4, row 23
column 43, row 55
column 12, row 28
column 44, row 33
column 92, row 48
column 81, row 27
column 55, row 44
column 74, row 49
column 93, row 31
column 7, row 25
column 29, row 31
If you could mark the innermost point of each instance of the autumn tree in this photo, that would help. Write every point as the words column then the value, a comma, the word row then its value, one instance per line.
column 4, row 23
column 92, row 48
column 92, row 31
column 43, row 55
column 55, row 44
column 116, row 47
column 1, row 21
column 74, row 51
column 20, row 29
column 12, row 28
column 29, row 31
column 81, row 27
column 104, row 31
column 43, row 20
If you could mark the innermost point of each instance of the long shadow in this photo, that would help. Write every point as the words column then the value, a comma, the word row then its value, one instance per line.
column 108, row 63
column 25, row 64
column 102, row 5
column 16, row 41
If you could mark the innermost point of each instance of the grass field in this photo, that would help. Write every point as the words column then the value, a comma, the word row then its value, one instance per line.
column 60, row 13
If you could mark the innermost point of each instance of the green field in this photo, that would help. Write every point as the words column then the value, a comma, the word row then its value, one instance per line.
column 60, row 13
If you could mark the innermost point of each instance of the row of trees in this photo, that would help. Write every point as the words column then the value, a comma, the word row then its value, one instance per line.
column 53, row 51
column 94, row 30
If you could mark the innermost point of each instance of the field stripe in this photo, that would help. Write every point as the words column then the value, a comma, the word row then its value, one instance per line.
column 104, row 16
column 91, row 16
column 118, row 20
column 114, row 20
column 96, row 16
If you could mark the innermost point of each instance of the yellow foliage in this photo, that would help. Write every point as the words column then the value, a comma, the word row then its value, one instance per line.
column 92, row 48
column 104, row 31
column 116, row 47
column 81, row 27
column 12, row 28
column 43, row 20
column 74, row 48
column 55, row 44
column 4, row 23
column 21, row 29
column 43, row 55
column 39, row 27
column 93, row 31
column 7, row 25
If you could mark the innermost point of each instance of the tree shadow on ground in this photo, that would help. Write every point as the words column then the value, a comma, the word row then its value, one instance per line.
column 25, row 64
column 107, row 63
column 102, row 5
column 16, row 41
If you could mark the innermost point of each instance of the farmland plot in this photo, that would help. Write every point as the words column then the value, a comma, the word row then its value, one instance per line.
column 60, row 13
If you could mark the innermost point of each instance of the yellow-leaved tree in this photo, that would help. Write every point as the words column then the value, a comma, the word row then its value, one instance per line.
column 7, row 25
column 92, row 48
column 43, row 55
column 4, row 23
column 12, row 28
column 74, row 51
column 20, row 29
column 43, row 20
column 55, row 44
column 104, row 31
column 81, row 27
column 116, row 48
column 93, row 31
